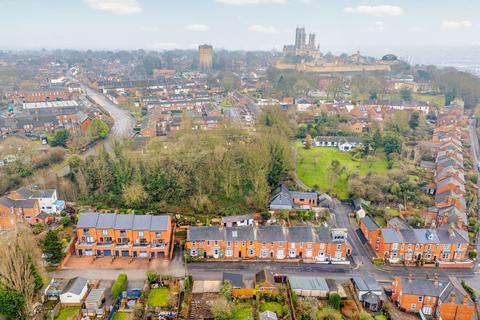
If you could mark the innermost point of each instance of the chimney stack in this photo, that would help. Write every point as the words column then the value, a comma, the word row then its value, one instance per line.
column 465, row 299
column 453, row 297
column 451, row 231
column 397, row 227
column 410, row 277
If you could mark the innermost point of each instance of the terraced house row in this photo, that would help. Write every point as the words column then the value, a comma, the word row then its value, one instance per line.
column 449, row 177
column 269, row 243
column 124, row 235
column 445, row 245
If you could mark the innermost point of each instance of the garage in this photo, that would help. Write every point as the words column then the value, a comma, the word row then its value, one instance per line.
column 88, row 252
column 143, row 254
column 125, row 253
column 107, row 253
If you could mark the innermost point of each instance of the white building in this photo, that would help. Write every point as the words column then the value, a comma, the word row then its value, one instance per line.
column 47, row 198
column 74, row 292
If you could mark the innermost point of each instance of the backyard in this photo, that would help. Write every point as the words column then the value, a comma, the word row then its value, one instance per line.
column 314, row 168
column 159, row 297
column 121, row 316
column 242, row 311
column 67, row 313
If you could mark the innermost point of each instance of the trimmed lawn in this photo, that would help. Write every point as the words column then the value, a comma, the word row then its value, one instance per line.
column 121, row 316
column 242, row 311
column 158, row 297
column 313, row 168
column 271, row 306
column 68, row 313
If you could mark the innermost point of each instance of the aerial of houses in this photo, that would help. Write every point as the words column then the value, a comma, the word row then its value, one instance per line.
column 272, row 243
column 124, row 235
column 284, row 199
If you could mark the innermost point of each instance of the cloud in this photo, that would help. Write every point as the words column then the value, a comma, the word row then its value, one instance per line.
column 463, row 24
column 247, row 2
column 164, row 45
column 376, row 11
column 197, row 27
column 260, row 28
column 416, row 28
column 121, row 7
column 150, row 28
column 377, row 26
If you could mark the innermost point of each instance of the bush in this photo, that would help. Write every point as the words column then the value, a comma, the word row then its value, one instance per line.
column 266, row 215
column 469, row 290
column 334, row 301
column 120, row 285
column 152, row 277
column 472, row 255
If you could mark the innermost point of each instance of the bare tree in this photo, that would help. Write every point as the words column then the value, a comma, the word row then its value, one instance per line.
column 19, row 263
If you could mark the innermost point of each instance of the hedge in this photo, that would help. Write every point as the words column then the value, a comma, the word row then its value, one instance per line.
column 120, row 285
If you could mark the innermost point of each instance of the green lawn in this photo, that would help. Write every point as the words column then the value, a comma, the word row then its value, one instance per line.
column 67, row 313
column 158, row 297
column 271, row 306
column 242, row 311
column 121, row 316
column 380, row 317
column 313, row 168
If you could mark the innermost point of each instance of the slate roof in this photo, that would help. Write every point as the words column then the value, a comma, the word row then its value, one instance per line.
column 237, row 218
column 284, row 197
column 301, row 234
column 122, row 221
column 441, row 235
column 95, row 295
column 369, row 223
column 75, row 285
column 366, row 283
column 205, row 233
column 243, row 233
column 264, row 276
column 423, row 287
column 308, row 283
column 235, row 279
column 271, row 234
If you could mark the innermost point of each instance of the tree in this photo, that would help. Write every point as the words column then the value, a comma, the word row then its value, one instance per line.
column 334, row 301
column 406, row 94
column 221, row 309
column 134, row 194
column 12, row 304
column 414, row 120
column 60, row 138
column 20, row 263
column 52, row 247
column 226, row 290
column 119, row 285
column 98, row 129
column 392, row 143
column 308, row 141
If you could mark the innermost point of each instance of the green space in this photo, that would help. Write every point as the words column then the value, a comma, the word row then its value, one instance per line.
column 121, row 316
column 242, row 311
column 158, row 297
column 68, row 313
column 314, row 168
column 271, row 306
column 380, row 317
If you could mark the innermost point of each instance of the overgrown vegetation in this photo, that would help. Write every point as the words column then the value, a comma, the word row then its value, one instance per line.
column 225, row 171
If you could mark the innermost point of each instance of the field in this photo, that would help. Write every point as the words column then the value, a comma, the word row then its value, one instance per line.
column 242, row 311
column 158, row 297
column 313, row 168
column 121, row 316
column 271, row 306
column 67, row 313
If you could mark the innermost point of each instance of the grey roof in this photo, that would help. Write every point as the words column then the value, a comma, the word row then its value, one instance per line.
column 371, row 298
column 308, row 283
column 301, row 234
column 237, row 218
column 284, row 197
column 271, row 233
column 304, row 195
column 106, row 220
column 456, row 291
column 391, row 235
column 87, row 220
column 205, row 233
column 423, row 287
column 27, row 193
column 366, row 283
column 235, row 279
column 369, row 223
column 95, row 295
column 75, row 285
column 244, row 233
column 268, row 315
column 122, row 221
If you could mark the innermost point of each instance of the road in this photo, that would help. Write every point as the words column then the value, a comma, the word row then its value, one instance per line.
column 475, row 155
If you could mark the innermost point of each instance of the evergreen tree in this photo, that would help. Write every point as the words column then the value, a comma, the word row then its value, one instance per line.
column 52, row 247
column 12, row 304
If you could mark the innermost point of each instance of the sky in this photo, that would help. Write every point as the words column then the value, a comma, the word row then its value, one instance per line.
column 374, row 26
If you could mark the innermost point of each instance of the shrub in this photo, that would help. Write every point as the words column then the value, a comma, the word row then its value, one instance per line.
column 334, row 301
column 266, row 215
column 472, row 255
column 152, row 277
column 469, row 290
column 120, row 285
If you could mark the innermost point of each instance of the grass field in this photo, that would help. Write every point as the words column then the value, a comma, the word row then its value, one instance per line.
column 121, row 316
column 313, row 168
column 271, row 306
column 242, row 311
column 68, row 313
column 158, row 297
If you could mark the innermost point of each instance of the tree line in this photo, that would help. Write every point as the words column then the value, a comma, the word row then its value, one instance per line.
column 226, row 171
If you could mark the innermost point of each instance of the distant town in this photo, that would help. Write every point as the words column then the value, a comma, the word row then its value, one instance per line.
column 215, row 184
